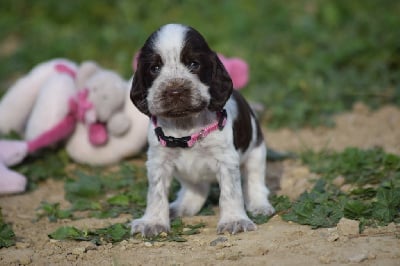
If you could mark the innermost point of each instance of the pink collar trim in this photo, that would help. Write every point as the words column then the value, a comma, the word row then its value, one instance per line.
column 189, row 141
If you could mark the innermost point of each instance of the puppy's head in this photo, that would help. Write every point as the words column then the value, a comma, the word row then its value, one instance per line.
column 178, row 74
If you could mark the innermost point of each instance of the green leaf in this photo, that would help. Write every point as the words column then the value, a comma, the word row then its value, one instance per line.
column 280, row 203
column 113, row 233
column 86, row 186
column 316, row 208
column 259, row 219
column 387, row 206
column 119, row 200
column 67, row 233
column 82, row 204
column 7, row 235
column 110, row 234
column 52, row 211
column 355, row 209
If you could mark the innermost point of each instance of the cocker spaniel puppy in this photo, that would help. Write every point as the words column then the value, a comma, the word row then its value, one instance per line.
column 202, row 131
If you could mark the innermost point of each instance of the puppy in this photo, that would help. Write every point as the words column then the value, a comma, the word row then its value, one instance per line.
column 202, row 131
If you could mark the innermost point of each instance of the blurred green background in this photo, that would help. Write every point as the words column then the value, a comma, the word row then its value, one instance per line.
column 308, row 59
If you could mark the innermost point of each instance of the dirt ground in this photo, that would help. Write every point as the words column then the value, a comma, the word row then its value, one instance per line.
column 274, row 243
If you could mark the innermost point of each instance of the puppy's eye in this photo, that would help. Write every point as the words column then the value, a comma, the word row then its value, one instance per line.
column 193, row 65
column 155, row 69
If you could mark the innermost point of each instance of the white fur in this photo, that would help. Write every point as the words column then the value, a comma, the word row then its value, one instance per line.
column 214, row 158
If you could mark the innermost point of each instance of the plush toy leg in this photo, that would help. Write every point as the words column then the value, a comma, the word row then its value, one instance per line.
column 17, row 104
column 51, row 106
column 11, row 152
column 10, row 181
column 60, row 131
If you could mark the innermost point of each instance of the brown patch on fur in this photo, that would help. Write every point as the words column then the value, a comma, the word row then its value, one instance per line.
column 242, row 129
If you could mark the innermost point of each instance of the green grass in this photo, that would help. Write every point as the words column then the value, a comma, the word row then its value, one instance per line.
column 308, row 59
column 7, row 235
column 374, row 198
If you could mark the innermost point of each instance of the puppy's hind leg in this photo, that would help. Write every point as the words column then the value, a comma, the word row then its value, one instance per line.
column 255, row 191
column 191, row 198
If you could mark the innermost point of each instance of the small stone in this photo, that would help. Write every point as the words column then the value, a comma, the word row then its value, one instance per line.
column 87, row 245
column 135, row 241
column 78, row 250
column 148, row 244
column 220, row 239
column 346, row 187
column 333, row 236
column 347, row 227
column 357, row 258
column 227, row 244
column 338, row 181
column 165, row 234
column 22, row 245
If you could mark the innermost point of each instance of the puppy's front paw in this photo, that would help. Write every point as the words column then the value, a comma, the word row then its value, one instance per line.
column 263, row 209
column 148, row 228
column 236, row 226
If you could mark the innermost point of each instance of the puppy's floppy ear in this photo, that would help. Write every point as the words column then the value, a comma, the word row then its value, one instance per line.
column 139, row 90
column 221, row 85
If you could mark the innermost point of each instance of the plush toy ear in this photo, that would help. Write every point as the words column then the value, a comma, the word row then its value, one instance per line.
column 221, row 85
column 86, row 69
column 238, row 70
column 139, row 90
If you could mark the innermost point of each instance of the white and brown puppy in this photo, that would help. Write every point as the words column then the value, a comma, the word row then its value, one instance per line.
column 201, row 132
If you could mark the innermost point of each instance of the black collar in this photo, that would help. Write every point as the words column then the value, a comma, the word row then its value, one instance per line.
column 189, row 141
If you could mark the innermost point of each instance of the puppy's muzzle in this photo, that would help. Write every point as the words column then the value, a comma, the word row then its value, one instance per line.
column 176, row 88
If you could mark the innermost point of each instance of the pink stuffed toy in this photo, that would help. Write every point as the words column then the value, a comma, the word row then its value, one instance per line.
column 56, row 99
column 237, row 69
column 44, row 107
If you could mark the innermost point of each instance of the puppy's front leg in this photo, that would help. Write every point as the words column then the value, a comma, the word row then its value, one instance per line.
column 156, row 217
column 233, row 216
